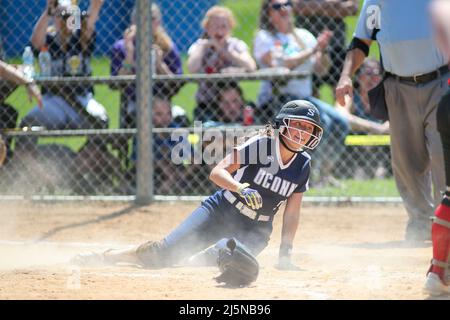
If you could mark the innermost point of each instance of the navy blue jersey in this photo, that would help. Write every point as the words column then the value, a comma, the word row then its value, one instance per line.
column 262, row 168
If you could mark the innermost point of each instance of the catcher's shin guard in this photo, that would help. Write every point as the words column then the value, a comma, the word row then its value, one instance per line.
column 440, row 234
column 443, row 125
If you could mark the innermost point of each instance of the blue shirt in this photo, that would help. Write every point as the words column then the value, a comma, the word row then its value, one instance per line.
column 262, row 168
column 405, row 38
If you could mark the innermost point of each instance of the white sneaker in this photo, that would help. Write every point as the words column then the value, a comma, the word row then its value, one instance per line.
column 434, row 286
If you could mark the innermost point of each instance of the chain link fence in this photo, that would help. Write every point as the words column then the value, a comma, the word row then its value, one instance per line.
column 213, row 73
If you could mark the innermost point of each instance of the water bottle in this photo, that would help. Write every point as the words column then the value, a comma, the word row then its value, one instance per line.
column 45, row 62
column 277, row 54
column 28, row 62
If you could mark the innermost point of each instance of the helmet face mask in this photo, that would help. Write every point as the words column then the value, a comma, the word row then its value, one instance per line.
column 299, row 136
column 308, row 114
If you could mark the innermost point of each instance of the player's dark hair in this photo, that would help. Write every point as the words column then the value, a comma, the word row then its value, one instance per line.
column 223, row 86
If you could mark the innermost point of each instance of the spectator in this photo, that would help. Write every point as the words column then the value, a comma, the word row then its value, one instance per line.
column 70, row 106
column 367, row 77
column 231, row 104
column 301, row 51
column 357, row 109
column 367, row 161
column 123, row 62
column 319, row 15
column 168, row 176
column 217, row 51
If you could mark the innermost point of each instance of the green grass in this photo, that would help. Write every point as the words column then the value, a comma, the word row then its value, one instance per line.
column 247, row 15
column 359, row 188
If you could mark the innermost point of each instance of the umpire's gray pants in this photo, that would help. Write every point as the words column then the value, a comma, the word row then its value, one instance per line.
column 416, row 149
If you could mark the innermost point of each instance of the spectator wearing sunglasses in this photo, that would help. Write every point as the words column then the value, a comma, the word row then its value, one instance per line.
column 366, row 161
column 319, row 15
column 302, row 52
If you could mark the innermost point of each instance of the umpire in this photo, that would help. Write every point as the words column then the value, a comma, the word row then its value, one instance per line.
column 415, row 79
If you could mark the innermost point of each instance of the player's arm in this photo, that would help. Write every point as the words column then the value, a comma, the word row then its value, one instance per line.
column 359, row 50
column 291, row 219
column 221, row 175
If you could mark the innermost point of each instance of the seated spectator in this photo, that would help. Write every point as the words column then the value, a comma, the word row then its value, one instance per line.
column 70, row 106
column 367, row 77
column 167, row 61
column 300, row 51
column 367, row 161
column 168, row 176
column 217, row 51
column 231, row 104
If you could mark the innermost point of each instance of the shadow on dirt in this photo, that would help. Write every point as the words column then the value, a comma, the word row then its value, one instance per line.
column 52, row 232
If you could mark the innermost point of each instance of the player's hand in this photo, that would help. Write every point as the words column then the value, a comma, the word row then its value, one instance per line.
column 251, row 196
column 344, row 88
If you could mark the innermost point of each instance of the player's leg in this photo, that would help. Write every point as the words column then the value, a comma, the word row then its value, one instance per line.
column 198, row 231
column 252, row 238
column 436, row 277
column 190, row 236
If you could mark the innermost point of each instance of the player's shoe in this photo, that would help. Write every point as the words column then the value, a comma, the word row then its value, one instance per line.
column 90, row 259
column 434, row 285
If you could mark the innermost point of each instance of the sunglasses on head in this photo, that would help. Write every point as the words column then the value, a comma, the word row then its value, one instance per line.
column 279, row 6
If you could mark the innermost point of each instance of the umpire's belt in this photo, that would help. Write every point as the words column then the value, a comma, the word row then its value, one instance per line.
column 422, row 78
column 242, row 208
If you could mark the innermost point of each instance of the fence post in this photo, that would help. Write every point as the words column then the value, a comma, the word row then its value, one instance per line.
column 144, row 85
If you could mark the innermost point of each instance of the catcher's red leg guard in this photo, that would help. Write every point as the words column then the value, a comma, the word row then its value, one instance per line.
column 440, row 234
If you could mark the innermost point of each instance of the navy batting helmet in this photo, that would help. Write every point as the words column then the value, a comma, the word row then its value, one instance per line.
column 300, row 110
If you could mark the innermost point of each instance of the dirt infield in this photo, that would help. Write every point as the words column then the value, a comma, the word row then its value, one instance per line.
column 344, row 253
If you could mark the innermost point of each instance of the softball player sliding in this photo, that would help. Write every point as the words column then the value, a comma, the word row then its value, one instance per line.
column 256, row 179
